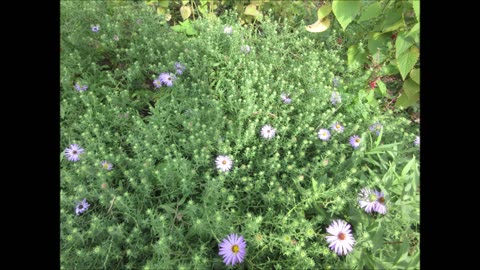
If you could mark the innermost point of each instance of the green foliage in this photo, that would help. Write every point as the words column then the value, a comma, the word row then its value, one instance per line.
column 386, row 20
column 185, row 27
column 345, row 11
column 164, row 205
column 324, row 10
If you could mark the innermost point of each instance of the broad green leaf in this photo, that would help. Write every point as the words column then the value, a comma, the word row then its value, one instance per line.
column 407, row 60
column 318, row 26
column 251, row 10
column 324, row 11
column 393, row 20
column 410, row 88
column 203, row 2
column 161, row 11
column 184, row 2
column 356, row 57
column 414, row 33
column 185, row 11
column 415, row 75
column 203, row 10
column 178, row 28
column 391, row 68
column 151, row 2
column 345, row 11
column 211, row 16
column 372, row 11
column 416, row 8
column 164, row 3
column 371, row 98
column 405, row 101
column 190, row 31
column 378, row 45
column 382, row 87
column 402, row 43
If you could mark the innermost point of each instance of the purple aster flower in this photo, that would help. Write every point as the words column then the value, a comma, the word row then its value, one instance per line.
column 245, row 49
column 223, row 163
column 157, row 83
column 338, row 127
column 380, row 203
column 267, row 132
column 167, row 78
column 324, row 134
column 233, row 249
column 376, row 127
column 341, row 239
column 80, row 88
column 286, row 98
column 372, row 200
column 227, row 30
column 335, row 98
column 95, row 28
column 81, row 207
column 417, row 141
column 367, row 199
column 73, row 153
column 355, row 141
column 179, row 68
column 106, row 165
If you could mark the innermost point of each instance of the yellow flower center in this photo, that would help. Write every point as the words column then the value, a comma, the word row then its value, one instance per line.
column 235, row 248
column 341, row 236
column 224, row 162
column 105, row 165
column 357, row 140
column 338, row 126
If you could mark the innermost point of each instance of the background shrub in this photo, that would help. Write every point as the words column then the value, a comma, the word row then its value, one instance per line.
column 164, row 205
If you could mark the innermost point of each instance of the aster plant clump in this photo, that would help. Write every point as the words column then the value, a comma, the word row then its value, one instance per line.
column 194, row 151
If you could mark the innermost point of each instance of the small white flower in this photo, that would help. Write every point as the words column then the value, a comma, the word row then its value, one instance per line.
column 367, row 199
column 223, row 163
column 337, row 127
column 324, row 134
column 268, row 132
column 335, row 98
column 227, row 30
column 245, row 49
column 286, row 98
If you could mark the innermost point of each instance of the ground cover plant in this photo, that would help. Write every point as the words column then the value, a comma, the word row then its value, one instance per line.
column 228, row 146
